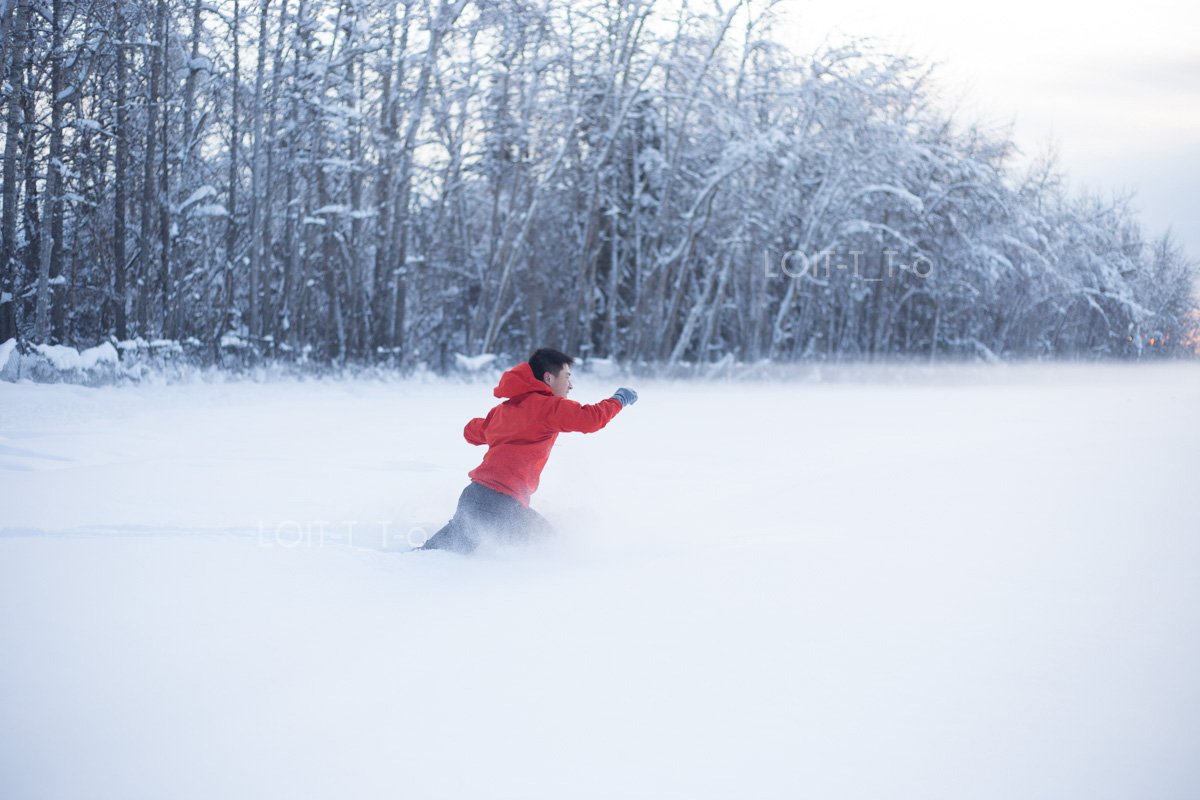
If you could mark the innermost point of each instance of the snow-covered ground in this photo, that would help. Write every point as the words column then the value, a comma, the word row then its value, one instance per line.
column 950, row 583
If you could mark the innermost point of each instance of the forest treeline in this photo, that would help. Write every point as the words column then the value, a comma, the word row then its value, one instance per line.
column 647, row 181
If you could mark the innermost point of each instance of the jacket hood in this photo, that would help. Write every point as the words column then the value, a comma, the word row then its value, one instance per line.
column 519, row 380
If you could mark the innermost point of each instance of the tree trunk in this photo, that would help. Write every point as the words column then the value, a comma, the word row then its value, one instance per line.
column 353, row 266
column 190, row 134
column 235, row 134
column 292, row 234
column 50, row 294
column 149, row 205
column 120, row 176
column 166, row 284
column 15, row 38
column 258, row 204
column 32, row 222
column 385, row 200
column 268, row 301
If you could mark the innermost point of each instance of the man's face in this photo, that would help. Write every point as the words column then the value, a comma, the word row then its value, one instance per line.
column 560, row 384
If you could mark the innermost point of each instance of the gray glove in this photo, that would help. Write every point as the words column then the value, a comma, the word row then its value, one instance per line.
column 627, row 396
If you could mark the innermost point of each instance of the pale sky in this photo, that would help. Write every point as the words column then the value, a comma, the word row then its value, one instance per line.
column 1115, row 87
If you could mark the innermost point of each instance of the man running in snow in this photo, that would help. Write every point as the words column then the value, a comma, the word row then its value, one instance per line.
column 519, row 434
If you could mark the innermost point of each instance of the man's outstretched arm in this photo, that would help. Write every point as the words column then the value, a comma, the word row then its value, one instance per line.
column 568, row 416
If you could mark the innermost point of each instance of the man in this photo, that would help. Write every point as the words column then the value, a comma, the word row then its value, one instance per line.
column 519, row 434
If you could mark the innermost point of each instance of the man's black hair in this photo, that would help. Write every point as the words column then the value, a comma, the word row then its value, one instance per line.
column 547, row 359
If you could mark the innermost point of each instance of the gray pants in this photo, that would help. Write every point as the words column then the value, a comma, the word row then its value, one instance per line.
column 484, row 514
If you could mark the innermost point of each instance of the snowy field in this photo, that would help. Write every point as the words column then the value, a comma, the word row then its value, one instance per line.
column 956, row 583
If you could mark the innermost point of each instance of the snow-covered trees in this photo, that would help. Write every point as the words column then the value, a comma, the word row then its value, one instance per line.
column 406, row 179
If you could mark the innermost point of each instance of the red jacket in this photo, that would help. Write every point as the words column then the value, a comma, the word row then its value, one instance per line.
column 520, row 432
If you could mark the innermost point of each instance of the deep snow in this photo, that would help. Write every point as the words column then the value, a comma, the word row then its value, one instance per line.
column 928, row 583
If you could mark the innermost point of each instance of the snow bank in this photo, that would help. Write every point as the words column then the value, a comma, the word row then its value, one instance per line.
column 61, row 357
column 43, row 363
column 9, row 369
column 108, row 362
column 474, row 363
column 600, row 367
column 103, row 353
